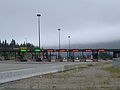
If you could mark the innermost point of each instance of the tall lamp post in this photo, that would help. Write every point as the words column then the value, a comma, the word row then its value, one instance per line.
column 69, row 45
column 69, row 41
column 59, row 44
column 39, row 28
column 26, row 41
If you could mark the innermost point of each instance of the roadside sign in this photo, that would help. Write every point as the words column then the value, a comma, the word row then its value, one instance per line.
column 37, row 50
column 23, row 50
column 50, row 50
column 75, row 50
column 63, row 50
column 102, row 50
column 88, row 50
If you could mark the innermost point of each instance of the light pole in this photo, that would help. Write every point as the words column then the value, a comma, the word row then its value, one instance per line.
column 69, row 41
column 39, row 28
column 59, row 38
column 26, row 41
column 69, row 45
column 59, row 44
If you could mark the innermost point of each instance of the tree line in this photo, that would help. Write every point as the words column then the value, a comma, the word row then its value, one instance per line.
column 13, row 44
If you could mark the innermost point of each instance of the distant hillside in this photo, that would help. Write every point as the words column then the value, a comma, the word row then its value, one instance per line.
column 111, row 45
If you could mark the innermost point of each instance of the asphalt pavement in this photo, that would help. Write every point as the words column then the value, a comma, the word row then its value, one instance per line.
column 27, row 65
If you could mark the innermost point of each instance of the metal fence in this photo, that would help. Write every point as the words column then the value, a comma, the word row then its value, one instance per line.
column 25, row 73
column 116, row 62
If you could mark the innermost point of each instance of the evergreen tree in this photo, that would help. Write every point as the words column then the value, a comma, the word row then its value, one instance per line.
column 0, row 43
column 13, row 44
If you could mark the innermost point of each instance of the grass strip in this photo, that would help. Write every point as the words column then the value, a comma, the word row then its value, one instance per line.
column 112, row 69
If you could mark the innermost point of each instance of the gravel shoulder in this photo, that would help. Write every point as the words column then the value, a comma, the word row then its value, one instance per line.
column 89, row 76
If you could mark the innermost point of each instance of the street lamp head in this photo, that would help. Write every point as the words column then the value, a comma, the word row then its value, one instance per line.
column 59, row 29
column 68, row 36
column 39, row 15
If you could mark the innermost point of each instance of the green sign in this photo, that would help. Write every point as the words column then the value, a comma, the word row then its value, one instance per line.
column 23, row 50
column 37, row 50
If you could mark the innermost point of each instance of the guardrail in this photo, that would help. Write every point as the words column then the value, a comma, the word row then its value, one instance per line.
column 7, row 76
column 116, row 62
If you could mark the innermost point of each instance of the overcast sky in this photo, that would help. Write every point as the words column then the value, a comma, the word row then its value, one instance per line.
column 86, row 21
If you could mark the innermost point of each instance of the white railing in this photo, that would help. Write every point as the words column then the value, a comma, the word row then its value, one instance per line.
column 7, row 76
column 116, row 62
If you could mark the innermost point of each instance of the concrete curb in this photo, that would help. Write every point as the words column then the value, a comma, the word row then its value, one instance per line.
column 25, row 73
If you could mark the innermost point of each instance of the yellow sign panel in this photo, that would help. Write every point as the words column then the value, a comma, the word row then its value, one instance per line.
column 23, row 48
